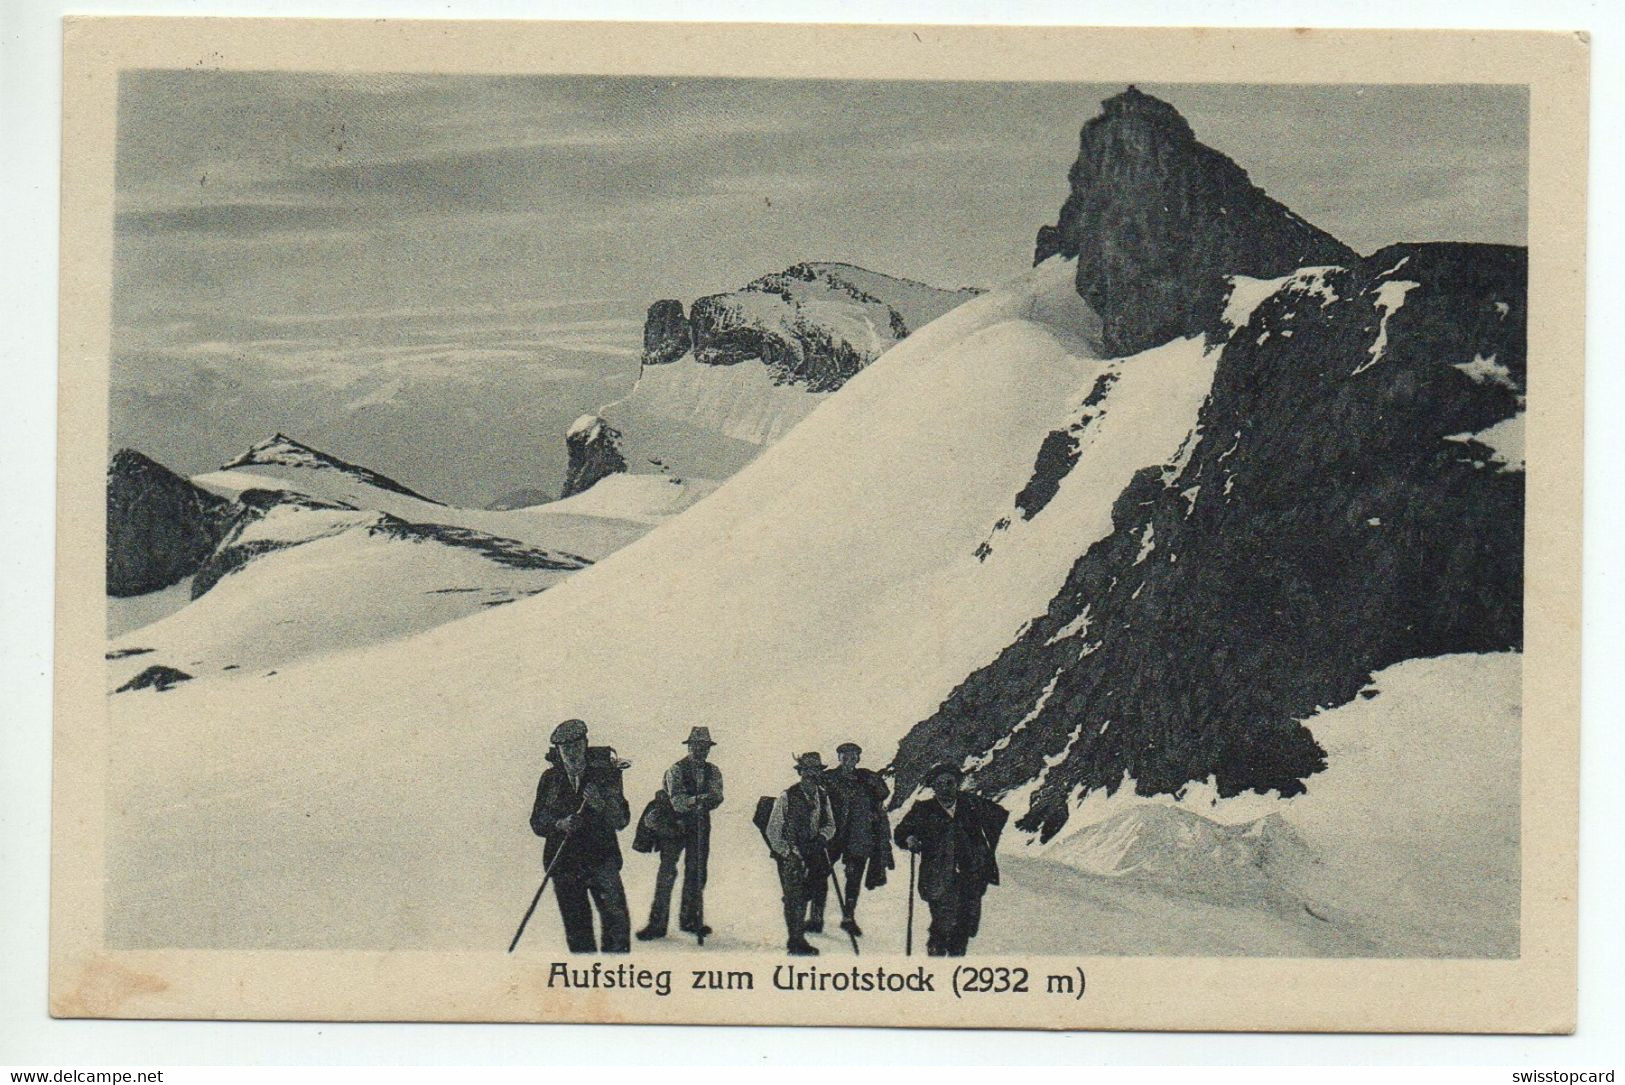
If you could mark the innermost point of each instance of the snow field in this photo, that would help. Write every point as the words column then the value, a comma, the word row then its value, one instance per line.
column 798, row 605
column 378, row 797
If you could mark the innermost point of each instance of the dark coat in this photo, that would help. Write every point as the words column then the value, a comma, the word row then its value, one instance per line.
column 593, row 840
column 960, row 851
column 862, row 829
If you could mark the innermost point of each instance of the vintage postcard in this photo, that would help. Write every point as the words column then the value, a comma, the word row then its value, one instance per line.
column 1000, row 527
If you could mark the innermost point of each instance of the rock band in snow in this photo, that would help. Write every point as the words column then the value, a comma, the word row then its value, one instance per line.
column 831, row 828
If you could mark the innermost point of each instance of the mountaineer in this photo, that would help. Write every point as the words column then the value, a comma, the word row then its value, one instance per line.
column 956, row 834
column 694, row 787
column 798, row 833
column 862, row 833
column 579, row 809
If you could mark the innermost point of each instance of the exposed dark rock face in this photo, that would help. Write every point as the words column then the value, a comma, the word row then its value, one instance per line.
column 768, row 320
column 595, row 453
column 666, row 336
column 280, row 450
column 1339, row 511
column 160, row 527
column 801, row 351
column 156, row 677
column 1157, row 220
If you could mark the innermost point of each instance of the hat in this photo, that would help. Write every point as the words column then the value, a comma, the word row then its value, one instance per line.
column 944, row 769
column 569, row 731
column 701, row 735
column 845, row 746
column 809, row 761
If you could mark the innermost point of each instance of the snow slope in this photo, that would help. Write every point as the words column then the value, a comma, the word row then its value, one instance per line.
column 800, row 604
column 323, row 579
column 590, row 529
column 1420, row 866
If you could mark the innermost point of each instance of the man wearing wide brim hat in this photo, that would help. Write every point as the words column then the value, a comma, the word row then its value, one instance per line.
column 694, row 786
column 798, row 832
column 956, row 834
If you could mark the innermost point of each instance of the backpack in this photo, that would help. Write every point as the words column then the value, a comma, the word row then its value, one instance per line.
column 763, row 814
column 657, row 825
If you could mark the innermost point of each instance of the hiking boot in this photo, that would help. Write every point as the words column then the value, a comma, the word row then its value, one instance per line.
column 800, row 947
column 649, row 934
column 850, row 926
column 814, row 928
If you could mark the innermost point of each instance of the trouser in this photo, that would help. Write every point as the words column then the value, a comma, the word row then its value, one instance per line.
column 691, row 907
column 955, row 918
column 855, row 867
column 801, row 883
column 602, row 882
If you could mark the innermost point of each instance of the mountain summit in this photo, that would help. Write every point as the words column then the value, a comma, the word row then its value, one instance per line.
column 1157, row 220
column 280, row 450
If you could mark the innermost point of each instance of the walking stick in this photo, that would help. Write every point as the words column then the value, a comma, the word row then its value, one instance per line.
column 547, row 875
column 908, row 945
column 840, row 898
column 702, row 863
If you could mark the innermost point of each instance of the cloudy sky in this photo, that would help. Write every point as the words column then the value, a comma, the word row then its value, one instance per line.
column 434, row 275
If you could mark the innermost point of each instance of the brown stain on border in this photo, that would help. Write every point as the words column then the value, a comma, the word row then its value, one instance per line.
column 103, row 988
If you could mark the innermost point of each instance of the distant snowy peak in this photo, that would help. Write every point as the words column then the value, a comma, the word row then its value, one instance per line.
column 813, row 324
column 280, row 450
column 1158, row 221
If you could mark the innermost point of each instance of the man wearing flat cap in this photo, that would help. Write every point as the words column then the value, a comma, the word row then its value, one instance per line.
column 694, row 786
column 862, row 833
column 799, row 831
column 956, row 835
column 579, row 808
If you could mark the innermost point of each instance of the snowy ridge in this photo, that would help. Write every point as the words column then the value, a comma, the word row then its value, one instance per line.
column 280, row 450
column 589, row 526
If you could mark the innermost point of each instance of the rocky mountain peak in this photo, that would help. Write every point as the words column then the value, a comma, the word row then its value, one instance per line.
column 594, row 448
column 1157, row 221
column 160, row 527
column 280, row 450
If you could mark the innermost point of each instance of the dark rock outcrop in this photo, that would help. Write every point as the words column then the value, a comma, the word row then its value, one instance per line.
column 666, row 336
column 1339, row 512
column 595, row 453
column 156, row 677
column 1157, row 220
column 769, row 320
column 160, row 527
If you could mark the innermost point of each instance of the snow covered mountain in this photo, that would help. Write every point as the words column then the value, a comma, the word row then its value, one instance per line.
column 739, row 369
column 288, row 552
column 1337, row 509
column 1225, row 609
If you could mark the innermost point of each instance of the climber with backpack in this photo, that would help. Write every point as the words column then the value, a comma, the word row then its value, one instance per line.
column 679, row 825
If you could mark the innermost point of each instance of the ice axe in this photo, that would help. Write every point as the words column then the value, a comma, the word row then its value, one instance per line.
column 547, row 875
